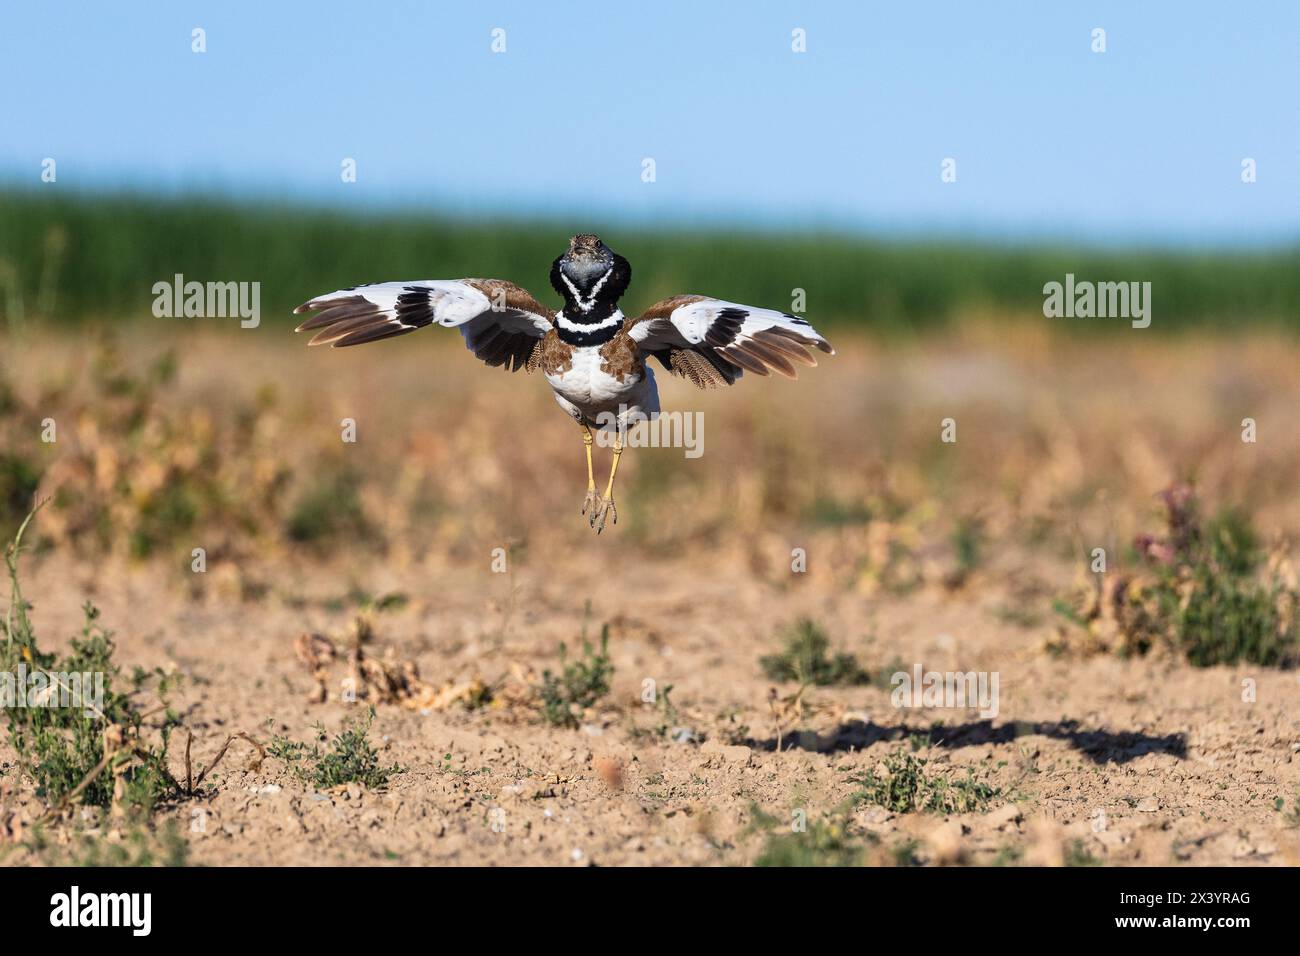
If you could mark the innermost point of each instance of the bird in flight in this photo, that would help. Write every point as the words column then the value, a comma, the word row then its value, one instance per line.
column 593, row 357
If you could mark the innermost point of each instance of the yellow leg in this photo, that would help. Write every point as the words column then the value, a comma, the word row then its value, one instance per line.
column 587, row 440
column 592, row 501
column 613, row 469
column 607, row 509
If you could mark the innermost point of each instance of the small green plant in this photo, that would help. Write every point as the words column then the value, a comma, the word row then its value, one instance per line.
column 884, row 677
column 904, row 853
column 666, row 708
column 1227, row 619
column 328, row 509
column 580, row 684
column 1076, row 854
column 834, row 513
column 381, row 603
column 1008, row 855
column 138, row 846
column 821, row 844
column 19, row 480
column 908, row 786
column 1291, row 818
column 805, row 660
column 1200, row 591
column 88, row 740
column 350, row 758
column 828, row 842
column 665, row 717
column 818, row 843
column 968, row 545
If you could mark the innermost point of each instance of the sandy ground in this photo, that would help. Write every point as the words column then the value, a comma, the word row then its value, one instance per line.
column 1144, row 763
column 1139, row 761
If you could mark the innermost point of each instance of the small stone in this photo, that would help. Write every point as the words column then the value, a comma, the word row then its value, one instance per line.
column 738, row 753
column 610, row 771
column 1148, row 805
column 735, row 753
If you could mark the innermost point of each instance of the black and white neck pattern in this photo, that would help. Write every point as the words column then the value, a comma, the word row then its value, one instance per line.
column 585, row 329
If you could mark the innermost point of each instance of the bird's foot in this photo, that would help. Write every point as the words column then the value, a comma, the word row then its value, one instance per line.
column 606, row 510
column 592, row 503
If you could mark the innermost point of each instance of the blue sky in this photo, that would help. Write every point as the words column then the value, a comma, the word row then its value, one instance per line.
column 1142, row 143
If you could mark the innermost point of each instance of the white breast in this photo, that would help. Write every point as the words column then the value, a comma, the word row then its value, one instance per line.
column 586, row 392
column 585, row 384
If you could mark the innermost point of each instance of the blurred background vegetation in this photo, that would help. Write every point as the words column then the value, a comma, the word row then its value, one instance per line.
column 73, row 256
column 171, row 432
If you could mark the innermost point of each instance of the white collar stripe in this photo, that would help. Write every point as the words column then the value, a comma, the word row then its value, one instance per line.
column 615, row 318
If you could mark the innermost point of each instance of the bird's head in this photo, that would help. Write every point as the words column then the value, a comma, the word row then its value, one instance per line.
column 590, row 276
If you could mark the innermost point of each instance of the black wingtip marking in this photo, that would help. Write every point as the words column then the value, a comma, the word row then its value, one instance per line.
column 414, row 307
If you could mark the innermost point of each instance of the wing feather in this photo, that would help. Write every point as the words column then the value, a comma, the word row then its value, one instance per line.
column 745, row 360
column 502, row 324
column 711, row 342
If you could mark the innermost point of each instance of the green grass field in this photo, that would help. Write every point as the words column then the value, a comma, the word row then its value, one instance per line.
column 74, row 256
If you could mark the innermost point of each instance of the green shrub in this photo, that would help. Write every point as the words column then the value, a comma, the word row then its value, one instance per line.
column 908, row 786
column 805, row 660
column 821, row 844
column 63, row 749
column 1202, row 590
column 1210, row 596
column 579, row 685
column 329, row 508
column 350, row 758
column 19, row 480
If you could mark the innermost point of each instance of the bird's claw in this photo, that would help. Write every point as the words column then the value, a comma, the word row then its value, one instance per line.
column 606, row 510
column 592, row 503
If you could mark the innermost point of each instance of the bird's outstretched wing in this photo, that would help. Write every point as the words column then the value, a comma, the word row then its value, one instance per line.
column 712, row 342
column 502, row 323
